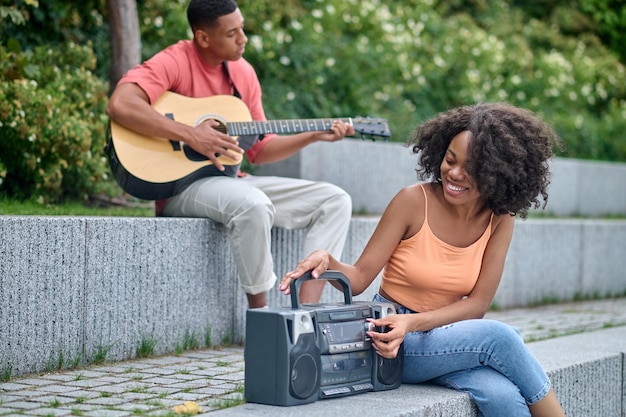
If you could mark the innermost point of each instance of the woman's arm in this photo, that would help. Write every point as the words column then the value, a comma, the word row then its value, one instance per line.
column 400, row 218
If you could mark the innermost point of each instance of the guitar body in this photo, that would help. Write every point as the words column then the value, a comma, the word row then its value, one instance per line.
column 154, row 168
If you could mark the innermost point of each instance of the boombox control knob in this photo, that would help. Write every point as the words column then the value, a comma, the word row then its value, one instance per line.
column 369, row 327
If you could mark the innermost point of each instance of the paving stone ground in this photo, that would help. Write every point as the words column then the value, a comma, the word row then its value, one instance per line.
column 213, row 378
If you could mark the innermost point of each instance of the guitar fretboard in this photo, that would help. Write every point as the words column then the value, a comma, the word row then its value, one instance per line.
column 281, row 126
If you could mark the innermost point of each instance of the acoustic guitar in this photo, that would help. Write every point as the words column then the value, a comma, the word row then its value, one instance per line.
column 153, row 168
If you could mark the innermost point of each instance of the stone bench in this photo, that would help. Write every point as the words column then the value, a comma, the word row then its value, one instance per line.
column 587, row 371
column 73, row 288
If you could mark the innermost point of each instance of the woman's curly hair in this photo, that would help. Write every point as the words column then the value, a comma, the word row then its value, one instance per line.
column 507, row 157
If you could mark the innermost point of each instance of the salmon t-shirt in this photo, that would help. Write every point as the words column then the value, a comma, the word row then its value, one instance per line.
column 180, row 68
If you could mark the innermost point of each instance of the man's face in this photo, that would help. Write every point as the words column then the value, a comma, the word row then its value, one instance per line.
column 227, row 41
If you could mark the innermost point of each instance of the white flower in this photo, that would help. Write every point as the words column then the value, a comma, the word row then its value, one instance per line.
column 296, row 25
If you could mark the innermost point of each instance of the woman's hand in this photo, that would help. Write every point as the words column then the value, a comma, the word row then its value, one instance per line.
column 317, row 262
column 395, row 327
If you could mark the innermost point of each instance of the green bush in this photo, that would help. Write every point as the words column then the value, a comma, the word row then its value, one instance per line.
column 408, row 60
column 401, row 60
column 52, row 123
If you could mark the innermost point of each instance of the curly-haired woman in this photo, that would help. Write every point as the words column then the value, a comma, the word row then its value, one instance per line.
column 443, row 245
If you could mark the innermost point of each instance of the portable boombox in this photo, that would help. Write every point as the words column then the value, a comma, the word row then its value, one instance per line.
column 309, row 352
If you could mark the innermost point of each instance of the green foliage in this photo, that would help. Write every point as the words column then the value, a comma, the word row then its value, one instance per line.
column 408, row 60
column 52, row 123
column 401, row 60
column 57, row 22
column 610, row 17
column 162, row 23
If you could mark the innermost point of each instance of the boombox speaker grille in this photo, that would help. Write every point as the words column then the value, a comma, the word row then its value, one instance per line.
column 305, row 367
column 390, row 370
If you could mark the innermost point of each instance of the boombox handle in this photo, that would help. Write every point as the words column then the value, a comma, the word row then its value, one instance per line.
column 328, row 275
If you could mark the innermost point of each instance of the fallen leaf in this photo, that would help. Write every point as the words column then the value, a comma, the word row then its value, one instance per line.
column 190, row 408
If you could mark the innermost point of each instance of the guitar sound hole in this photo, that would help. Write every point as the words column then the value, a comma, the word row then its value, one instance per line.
column 221, row 127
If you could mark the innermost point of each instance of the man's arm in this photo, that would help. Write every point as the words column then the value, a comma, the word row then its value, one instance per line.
column 283, row 147
column 130, row 107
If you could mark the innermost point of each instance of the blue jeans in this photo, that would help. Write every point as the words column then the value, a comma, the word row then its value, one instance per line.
column 485, row 358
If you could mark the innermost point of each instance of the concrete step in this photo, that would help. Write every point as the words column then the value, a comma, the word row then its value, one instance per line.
column 72, row 287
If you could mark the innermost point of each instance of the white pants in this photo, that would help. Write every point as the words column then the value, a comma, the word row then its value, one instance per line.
column 251, row 205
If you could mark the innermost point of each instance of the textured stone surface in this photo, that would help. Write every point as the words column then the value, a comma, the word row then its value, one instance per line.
column 141, row 286
column 74, row 288
column 41, row 292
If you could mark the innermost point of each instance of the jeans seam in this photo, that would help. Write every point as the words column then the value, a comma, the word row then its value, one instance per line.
column 542, row 393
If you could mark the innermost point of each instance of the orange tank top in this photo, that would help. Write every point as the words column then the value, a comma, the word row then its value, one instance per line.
column 424, row 273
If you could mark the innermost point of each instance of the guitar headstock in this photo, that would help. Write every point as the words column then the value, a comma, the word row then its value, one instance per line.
column 371, row 127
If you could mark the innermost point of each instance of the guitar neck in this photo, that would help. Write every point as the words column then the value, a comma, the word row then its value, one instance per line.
column 281, row 126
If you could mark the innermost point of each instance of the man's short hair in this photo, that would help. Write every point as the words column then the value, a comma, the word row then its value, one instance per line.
column 204, row 13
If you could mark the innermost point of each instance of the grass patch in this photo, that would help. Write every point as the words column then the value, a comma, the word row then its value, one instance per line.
column 100, row 355
column 76, row 208
column 207, row 337
column 54, row 403
column 230, row 402
column 139, row 390
column 146, row 347
column 5, row 374
column 62, row 361
column 190, row 342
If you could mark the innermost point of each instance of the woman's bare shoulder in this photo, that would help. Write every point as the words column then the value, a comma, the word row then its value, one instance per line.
column 410, row 204
column 504, row 221
column 412, row 194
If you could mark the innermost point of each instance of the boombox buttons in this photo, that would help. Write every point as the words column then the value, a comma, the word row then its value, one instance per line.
column 341, row 337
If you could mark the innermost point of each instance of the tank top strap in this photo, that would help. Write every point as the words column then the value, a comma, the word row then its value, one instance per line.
column 425, row 203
